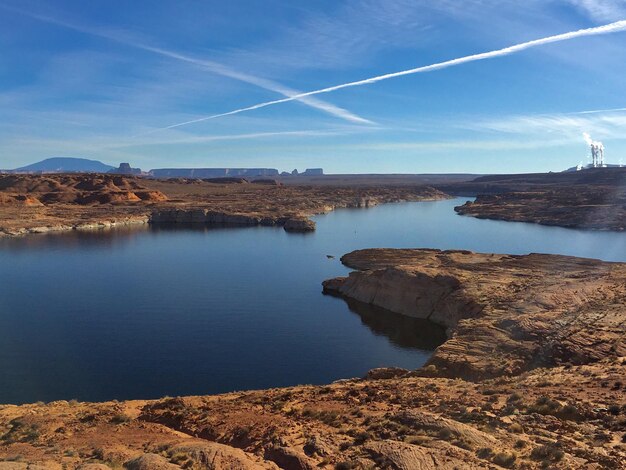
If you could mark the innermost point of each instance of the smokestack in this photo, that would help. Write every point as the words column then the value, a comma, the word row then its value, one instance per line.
column 597, row 151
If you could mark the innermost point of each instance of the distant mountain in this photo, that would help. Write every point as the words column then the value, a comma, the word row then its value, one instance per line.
column 67, row 164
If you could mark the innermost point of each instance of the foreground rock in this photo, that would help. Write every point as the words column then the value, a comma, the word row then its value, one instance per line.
column 557, row 418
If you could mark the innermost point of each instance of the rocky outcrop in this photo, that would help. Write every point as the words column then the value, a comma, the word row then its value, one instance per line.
column 95, row 225
column 403, row 456
column 214, row 456
column 288, row 458
column 386, row 373
column 77, row 189
column 505, row 314
column 364, row 202
column 299, row 225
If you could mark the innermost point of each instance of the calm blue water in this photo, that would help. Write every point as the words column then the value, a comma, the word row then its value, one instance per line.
column 151, row 312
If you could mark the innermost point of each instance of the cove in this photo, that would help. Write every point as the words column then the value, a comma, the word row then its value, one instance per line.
column 145, row 313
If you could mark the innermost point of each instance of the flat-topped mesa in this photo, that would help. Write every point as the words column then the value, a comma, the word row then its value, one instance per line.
column 201, row 216
column 505, row 314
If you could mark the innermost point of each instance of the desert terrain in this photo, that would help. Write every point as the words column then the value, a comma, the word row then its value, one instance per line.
column 531, row 376
column 592, row 199
column 56, row 202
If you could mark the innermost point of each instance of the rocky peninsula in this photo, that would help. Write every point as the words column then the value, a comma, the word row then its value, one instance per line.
column 593, row 199
column 531, row 376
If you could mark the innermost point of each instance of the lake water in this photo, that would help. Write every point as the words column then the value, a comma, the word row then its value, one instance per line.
column 144, row 313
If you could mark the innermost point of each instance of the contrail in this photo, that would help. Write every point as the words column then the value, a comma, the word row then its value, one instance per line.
column 606, row 29
column 260, row 82
column 210, row 65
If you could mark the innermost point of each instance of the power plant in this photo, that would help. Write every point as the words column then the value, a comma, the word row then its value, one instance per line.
column 596, row 157
column 597, row 152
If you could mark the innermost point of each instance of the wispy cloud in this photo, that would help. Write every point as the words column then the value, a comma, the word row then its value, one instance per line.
column 232, row 137
column 607, row 124
column 212, row 66
column 344, row 34
column 447, row 145
column 601, row 10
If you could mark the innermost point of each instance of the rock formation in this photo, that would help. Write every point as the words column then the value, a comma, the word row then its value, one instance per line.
column 505, row 314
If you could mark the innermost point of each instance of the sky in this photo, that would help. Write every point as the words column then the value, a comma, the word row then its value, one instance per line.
column 156, row 83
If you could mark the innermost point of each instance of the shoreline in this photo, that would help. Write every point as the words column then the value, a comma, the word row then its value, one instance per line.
column 49, row 203
column 203, row 217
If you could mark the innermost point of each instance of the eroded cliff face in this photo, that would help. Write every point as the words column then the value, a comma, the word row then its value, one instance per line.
column 210, row 217
column 505, row 314
column 433, row 297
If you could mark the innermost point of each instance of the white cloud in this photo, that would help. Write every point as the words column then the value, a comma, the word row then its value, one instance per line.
column 602, row 10
column 605, row 124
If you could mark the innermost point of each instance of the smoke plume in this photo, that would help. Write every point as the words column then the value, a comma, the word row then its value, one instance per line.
column 591, row 142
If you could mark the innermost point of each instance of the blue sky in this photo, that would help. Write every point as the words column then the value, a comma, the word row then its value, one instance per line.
column 103, row 79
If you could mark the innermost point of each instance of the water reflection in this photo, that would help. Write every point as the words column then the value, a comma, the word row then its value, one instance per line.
column 402, row 331
column 73, row 239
